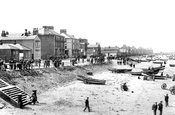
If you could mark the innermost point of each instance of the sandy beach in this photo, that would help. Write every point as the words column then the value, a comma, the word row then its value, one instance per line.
column 106, row 99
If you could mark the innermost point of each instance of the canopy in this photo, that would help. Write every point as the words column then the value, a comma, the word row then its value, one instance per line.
column 8, row 46
column 14, row 47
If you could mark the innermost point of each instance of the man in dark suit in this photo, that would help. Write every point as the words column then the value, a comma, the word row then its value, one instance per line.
column 87, row 104
column 160, row 107
column 166, row 100
column 154, row 108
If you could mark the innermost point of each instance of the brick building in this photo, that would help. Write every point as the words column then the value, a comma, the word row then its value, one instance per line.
column 52, row 43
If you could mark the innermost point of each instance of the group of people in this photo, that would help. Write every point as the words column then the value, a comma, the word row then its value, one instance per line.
column 160, row 105
column 154, row 106
column 94, row 60
column 14, row 65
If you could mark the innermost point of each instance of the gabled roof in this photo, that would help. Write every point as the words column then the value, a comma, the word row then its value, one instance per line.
column 18, row 37
column 49, row 31
column 20, row 46
column 67, row 35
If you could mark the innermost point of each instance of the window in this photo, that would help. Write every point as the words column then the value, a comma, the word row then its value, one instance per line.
column 62, row 45
column 37, row 44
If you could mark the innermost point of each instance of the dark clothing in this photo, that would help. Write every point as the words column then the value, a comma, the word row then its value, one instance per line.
column 166, row 100
column 87, row 105
column 87, row 102
column 160, row 108
column 125, row 87
column 154, row 108
column 160, row 112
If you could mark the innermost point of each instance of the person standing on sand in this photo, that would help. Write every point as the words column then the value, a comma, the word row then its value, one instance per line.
column 154, row 108
column 153, row 77
column 160, row 107
column 87, row 104
column 166, row 100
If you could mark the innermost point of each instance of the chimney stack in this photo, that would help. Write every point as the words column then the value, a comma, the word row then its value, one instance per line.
column 63, row 31
column 7, row 33
column 48, row 27
column 35, row 31
column 3, row 34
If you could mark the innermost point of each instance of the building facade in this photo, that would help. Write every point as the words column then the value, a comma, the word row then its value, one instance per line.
column 52, row 43
column 110, row 51
column 30, row 41
column 83, row 46
column 14, row 51
column 93, row 49
column 72, row 45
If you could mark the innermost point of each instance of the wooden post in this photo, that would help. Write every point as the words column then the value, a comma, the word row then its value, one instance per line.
column 20, row 105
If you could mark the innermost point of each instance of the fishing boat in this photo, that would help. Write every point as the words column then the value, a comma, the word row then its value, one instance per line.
column 89, row 80
column 160, row 76
column 120, row 70
column 172, row 65
column 95, row 81
column 137, row 72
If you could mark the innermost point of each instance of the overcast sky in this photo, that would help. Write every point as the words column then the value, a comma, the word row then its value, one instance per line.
column 145, row 23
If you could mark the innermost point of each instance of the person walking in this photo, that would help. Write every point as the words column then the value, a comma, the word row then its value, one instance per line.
column 166, row 100
column 87, row 104
column 154, row 108
column 160, row 105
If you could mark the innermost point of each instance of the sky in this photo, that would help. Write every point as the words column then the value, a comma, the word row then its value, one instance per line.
column 139, row 23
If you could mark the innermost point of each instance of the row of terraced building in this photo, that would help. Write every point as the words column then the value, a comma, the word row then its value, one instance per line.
column 44, row 43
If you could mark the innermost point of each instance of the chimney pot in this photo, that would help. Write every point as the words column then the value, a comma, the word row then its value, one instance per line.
column 3, row 33
column 63, row 31
column 35, row 31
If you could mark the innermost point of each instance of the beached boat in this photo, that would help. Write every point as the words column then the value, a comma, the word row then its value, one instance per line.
column 151, row 71
column 172, row 65
column 117, row 70
column 158, row 62
column 159, row 76
column 137, row 72
column 95, row 81
column 89, row 80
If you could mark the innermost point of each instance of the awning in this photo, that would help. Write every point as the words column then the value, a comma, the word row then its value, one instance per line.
column 14, row 47
column 20, row 47
column 8, row 46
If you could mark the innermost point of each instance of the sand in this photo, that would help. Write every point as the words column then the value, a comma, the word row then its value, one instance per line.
column 106, row 99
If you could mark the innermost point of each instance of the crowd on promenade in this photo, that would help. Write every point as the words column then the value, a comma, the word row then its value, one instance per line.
column 26, row 64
